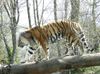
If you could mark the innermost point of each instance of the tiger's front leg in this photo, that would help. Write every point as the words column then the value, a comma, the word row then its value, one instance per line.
column 45, row 48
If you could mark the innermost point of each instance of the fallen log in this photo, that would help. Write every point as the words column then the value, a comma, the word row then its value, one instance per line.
column 53, row 65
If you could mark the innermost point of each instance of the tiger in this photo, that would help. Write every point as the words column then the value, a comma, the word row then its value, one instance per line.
column 53, row 31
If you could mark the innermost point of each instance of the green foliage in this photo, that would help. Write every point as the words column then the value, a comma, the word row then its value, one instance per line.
column 89, row 70
column 11, row 50
column 92, row 70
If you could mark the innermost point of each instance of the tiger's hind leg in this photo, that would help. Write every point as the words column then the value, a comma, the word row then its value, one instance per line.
column 69, row 49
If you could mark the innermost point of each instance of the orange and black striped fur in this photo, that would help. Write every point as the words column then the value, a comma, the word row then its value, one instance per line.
column 53, row 31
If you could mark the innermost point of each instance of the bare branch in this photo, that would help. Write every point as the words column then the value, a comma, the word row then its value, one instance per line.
column 55, row 10
column 6, row 10
column 3, row 36
column 42, row 12
column 17, row 6
column 28, row 13
column 34, row 12
column 1, row 3
column 97, row 15
column 8, row 4
column 97, row 1
column 37, row 13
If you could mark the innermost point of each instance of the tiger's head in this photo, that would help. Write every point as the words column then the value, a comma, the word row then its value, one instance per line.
column 26, row 39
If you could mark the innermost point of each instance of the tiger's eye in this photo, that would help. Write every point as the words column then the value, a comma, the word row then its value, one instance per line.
column 83, row 39
column 84, row 43
column 32, row 48
column 30, row 52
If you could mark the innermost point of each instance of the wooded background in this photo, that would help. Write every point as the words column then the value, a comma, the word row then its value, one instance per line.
column 19, row 15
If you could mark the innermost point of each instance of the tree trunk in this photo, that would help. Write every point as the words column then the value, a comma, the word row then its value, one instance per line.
column 13, row 6
column 28, row 13
column 54, row 65
column 4, row 39
column 34, row 12
column 75, row 4
column 55, row 10
column 41, row 17
column 13, row 31
column 66, row 6
column 37, row 13
column 55, row 18
column 95, row 37
column 37, row 19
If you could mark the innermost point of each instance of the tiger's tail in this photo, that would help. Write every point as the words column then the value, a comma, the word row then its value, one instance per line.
column 84, row 42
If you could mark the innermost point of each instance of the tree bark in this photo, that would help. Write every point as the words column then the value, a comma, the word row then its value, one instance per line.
column 11, row 11
column 95, row 36
column 55, row 10
column 34, row 12
column 37, row 19
column 66, row 7
column 37, row 13
column 28, row 13
column 75, row 4
column 54, row 65
column 3, row 36
column 55, row 18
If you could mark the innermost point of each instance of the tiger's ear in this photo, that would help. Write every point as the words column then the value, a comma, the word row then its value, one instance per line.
column 26, row 34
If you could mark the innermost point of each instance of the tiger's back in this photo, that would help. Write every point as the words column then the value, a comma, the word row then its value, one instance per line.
column 64, row 29
column 69, row 30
